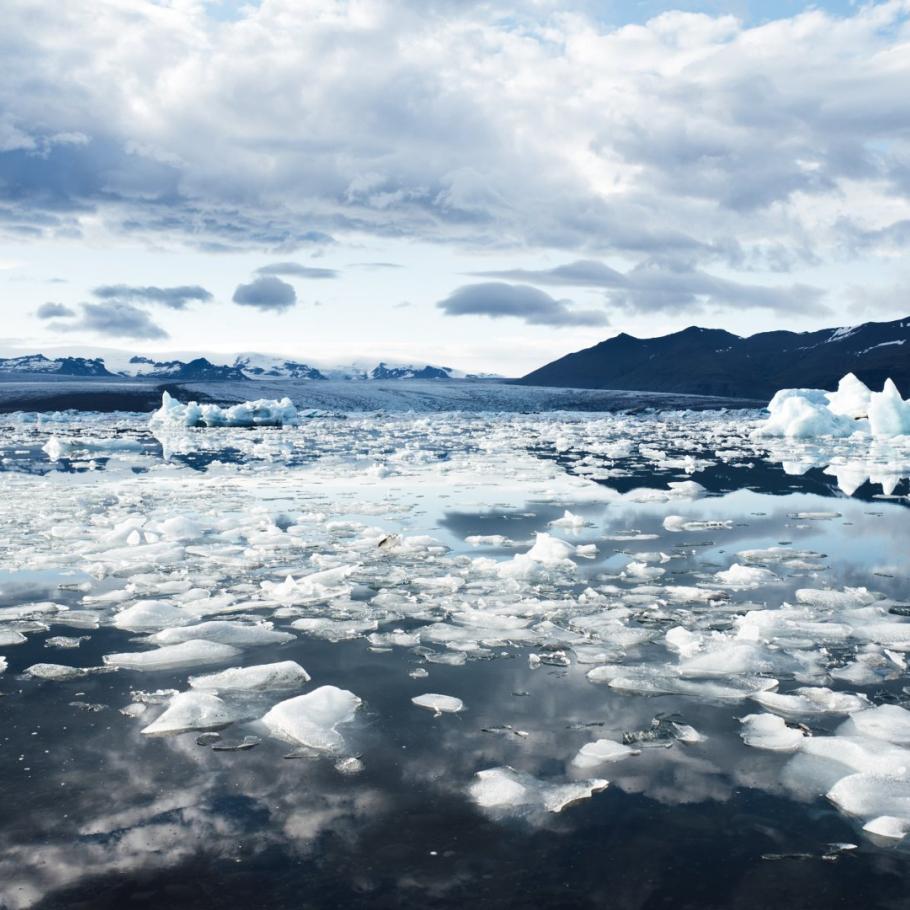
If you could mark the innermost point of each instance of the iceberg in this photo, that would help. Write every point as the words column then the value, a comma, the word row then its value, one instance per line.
column 263, row 412
column 807, row 413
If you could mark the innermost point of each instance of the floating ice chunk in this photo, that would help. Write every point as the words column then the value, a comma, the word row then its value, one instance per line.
column 191, row 711
column 489, row 540
column 550, row 551
column 317, row 586
column 151, row 615
column 851, row 398
column 3, row 664
column 888, row 826
column 677, row 523
column 739, row 576
column 586, row 550
column 839, row 600
column 658, row 681
column 768, row 731
column 686, row 489
column 890, row 723
column 311, row 719
column 601, row 751
column 56, row 448
column 10, row 637
column 683, row 642
column 889, row 414
column 187, row 654
column 803, row 413
column 285, row 674
column 180, row 527
column 505, row 788
column 570, row 522
column 260, row 413
column 440, row 704
column 809, row 701
column 227, row 632
column 870, row 796
column 687, row 734
column 58, row 672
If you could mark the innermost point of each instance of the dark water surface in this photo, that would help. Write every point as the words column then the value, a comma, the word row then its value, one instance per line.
column 96, row 814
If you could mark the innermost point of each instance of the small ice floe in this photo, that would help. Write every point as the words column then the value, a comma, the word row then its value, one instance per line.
column 601, row 751
column 65, row 642
column 888, row 826
column 662, row 731
column 9, row 637
column 657, row 680
column 419, row 673
column 151, row 615
column 243, row 745
column 60, row 673
column 768, row 731
column 260, row 413
column 439, row 704
column 814, row 516
column 570, row 522
column 739, row 576
column 224, row 631
column 678, row 523
column 505, row 789
column 191, row 711
column 548, row 552
column 811, row 701
column 284, row 674
column 191, row 653
column 311, row 720
column 56, row 448
column 889, row 723
column 871, row 796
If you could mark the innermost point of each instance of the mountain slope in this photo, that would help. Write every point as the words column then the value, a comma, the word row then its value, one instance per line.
column 713, row 362
column 61, row 366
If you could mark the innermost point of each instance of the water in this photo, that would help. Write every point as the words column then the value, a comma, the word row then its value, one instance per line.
column 95, row 813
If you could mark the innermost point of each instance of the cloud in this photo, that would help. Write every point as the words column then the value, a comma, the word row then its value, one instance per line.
column 686, row 133
column 115, row 319
column 266, row 293
column 581, row 273
column 497, row 299
column 296, row 270
column 176, row 298
column 53, row 311
column 670, row 285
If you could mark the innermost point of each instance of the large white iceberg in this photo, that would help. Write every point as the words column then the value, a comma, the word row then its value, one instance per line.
column 806, row 413
column 263, row 412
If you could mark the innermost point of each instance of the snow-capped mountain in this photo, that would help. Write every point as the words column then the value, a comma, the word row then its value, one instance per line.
column 61, row 366
column 181, row 367
column 714, row 362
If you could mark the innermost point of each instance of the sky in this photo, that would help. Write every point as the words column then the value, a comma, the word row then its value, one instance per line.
column 480, row 185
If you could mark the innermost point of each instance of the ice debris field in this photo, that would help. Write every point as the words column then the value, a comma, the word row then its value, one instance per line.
column 676, row 605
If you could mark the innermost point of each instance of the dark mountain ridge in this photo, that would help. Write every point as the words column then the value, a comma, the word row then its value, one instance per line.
column 700, row 361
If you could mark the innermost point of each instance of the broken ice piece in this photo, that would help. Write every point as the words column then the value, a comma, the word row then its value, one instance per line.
column 191, row 711
column 888, row 826
column 600, row 751
column 284, row 674
column 506, row 788
column 439, row 704
column 171, row 657
column 311, row 719
column 248, row 742
column 768, row 731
